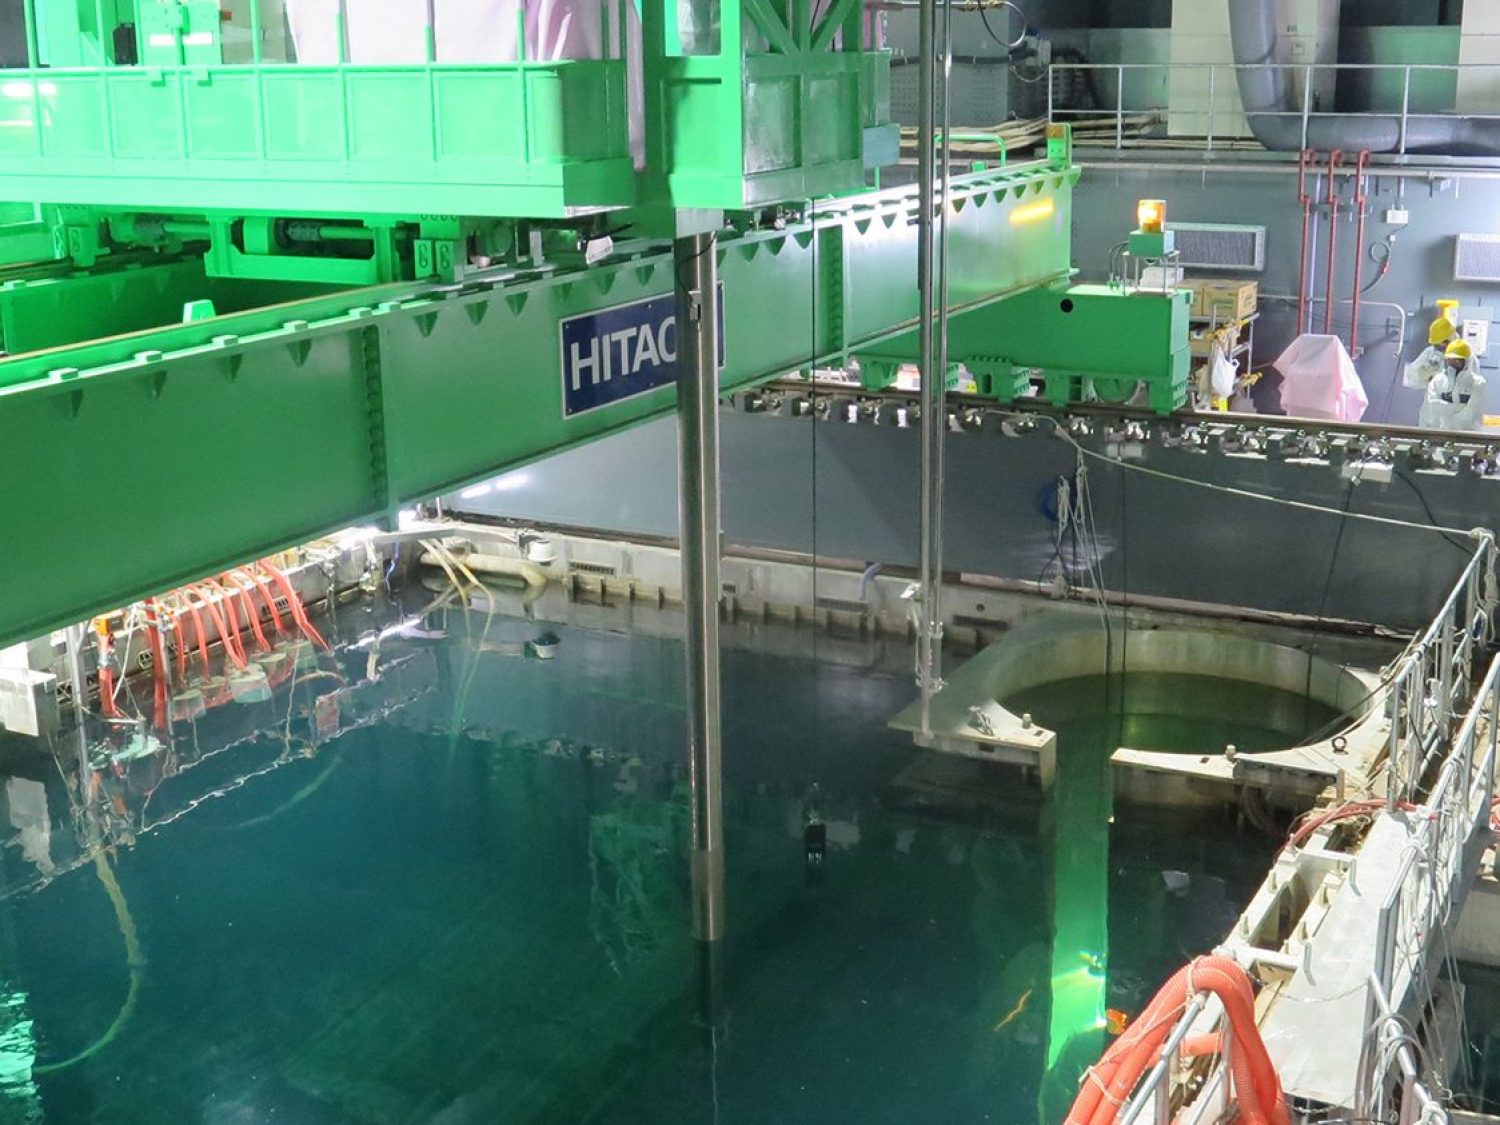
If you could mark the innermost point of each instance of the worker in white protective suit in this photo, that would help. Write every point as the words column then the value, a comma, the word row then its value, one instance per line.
column 1455, row 396
column 1420, row 371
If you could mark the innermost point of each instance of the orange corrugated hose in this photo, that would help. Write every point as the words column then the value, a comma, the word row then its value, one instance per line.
column 1257, row 1090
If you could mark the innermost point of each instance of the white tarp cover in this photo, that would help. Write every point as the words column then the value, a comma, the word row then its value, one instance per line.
column 1319, row 380
column 386, row 32
column 392, row 32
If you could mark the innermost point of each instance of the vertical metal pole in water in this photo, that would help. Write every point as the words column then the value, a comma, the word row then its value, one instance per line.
column 696, row 269
column 929, row 637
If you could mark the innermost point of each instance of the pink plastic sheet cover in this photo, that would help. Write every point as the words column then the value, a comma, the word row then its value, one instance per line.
column 1319, row 380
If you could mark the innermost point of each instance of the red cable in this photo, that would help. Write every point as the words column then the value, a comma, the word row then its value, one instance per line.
column 202, row 637
column 158, row 664
column 299, row 612
column 224, row 600
column 180, row 641
column 1311, row 822
column 252, row 615
column 245, row 580
column 106, row 674
column 216, row 614
column 1334, row 159
column 1303, row 163
column 107, row 693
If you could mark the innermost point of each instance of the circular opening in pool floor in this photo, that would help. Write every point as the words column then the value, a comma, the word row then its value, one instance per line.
column 1175, row 712
column 1175, row 690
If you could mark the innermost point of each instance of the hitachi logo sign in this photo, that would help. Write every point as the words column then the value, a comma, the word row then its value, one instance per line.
column 626, row 352
column 617, row 353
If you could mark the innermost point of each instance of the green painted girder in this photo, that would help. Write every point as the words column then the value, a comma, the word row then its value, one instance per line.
column 1106, row 336
column 135, row 463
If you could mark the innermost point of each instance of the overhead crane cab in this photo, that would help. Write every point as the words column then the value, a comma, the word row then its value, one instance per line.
column 412, row 143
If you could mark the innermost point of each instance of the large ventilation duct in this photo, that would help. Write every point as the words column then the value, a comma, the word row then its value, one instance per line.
column 1267, row 94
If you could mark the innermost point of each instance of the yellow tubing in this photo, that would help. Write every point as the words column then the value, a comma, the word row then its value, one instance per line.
column 133, row 957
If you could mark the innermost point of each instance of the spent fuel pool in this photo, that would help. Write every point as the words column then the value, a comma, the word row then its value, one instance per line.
column 475, row 908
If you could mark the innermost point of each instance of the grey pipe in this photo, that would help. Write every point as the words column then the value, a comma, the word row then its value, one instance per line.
column 1266, row 92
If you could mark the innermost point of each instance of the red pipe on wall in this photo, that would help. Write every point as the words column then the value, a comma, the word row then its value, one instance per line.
column 1334, row 159
column 1304, row 197
column 1361, row 198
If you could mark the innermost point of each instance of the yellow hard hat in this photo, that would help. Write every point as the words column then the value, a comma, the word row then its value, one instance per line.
column 1459, row 349
column 1440, row 331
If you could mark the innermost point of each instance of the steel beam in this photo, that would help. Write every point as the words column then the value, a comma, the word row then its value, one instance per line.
column 134, row 463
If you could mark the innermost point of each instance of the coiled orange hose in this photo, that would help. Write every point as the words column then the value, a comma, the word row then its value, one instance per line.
column 1257, row 1089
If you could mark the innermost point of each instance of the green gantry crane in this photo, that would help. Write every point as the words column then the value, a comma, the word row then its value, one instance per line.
column 249, row 294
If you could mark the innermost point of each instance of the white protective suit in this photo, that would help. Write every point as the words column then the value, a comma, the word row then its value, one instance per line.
column 1422, row 370
column 1454, row 401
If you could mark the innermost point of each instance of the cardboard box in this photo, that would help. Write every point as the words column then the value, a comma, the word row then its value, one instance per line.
column 1226, row 300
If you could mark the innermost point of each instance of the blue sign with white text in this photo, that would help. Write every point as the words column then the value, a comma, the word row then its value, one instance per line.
column 618, row 353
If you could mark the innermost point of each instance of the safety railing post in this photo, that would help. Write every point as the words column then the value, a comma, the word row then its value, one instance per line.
column 1405, row 106
column 1494, row 725
column 1408, row 1100
column 1208, row 141
column 1119, row 108
column 1445, row 677
column 1226, row 1052
column 1393, row 748
column 1307, row 73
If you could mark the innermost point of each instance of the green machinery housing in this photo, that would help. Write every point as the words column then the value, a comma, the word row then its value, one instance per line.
column 246, row 297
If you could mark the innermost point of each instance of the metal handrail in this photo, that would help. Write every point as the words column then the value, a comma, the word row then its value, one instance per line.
column 1434, row 867
column 1304, row 71
column 1417, row 1102
column 1432, row 677
column 1431, row 872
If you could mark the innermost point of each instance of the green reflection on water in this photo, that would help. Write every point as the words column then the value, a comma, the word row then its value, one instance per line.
column 1093, row 716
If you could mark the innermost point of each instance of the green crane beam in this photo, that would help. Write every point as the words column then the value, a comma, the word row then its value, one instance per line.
column 140, row 461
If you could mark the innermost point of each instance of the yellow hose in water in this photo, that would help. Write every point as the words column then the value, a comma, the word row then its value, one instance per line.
column 134, row 958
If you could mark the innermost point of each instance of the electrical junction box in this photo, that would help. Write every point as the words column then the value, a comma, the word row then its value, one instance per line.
column 28, row 701
column 1398, row 216
column 1477, row 333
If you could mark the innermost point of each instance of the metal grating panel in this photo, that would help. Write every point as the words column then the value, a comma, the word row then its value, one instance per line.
column 1476, row 257
column 1221, row 246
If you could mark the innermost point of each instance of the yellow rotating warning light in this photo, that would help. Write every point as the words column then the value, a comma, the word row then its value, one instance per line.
column 1151, row 216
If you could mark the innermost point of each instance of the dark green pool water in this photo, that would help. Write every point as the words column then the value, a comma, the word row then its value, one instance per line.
column 487, row 920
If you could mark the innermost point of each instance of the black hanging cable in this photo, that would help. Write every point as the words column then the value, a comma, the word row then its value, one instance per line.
column 1317, row 630
column 1466, row 548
